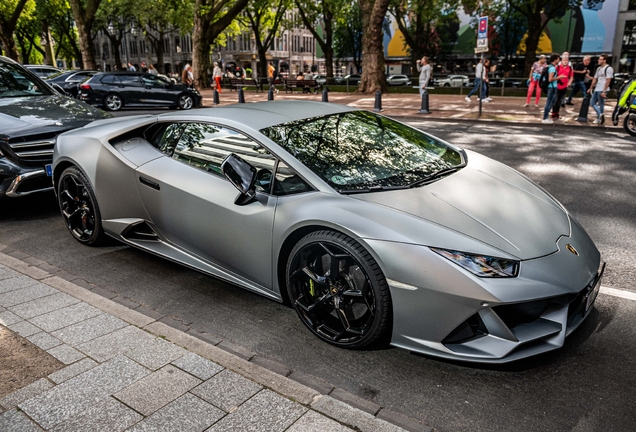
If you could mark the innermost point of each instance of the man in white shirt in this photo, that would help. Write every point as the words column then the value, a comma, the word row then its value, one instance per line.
column 600, row 87
column 479, row 77
column 425, row 74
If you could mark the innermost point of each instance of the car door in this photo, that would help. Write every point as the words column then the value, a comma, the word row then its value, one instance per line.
column 130, row 89
column 157, row 91
column 192, row 204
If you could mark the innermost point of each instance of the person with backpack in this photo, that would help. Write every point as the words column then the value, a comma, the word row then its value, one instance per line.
column 533, row 80
column 563, row 68
column 548, row 82
column 600, row 86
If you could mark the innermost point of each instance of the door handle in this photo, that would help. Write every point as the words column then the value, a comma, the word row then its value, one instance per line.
column 149, row 183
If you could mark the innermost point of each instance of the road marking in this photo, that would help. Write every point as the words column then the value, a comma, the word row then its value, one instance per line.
column 618, row 293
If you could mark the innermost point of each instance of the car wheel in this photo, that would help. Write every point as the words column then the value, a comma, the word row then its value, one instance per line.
column 447, row 85
column 629, row 124
column 113, row 102
column 79, row 207
column 185, row 102
column 339, row 291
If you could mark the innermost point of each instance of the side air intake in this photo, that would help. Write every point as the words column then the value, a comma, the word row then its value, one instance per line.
column 140, row 232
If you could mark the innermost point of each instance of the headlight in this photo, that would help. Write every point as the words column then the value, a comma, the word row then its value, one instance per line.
column 481, row 265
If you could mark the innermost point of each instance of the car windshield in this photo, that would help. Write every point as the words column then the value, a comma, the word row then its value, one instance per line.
column 360, row 151
column 15, row 82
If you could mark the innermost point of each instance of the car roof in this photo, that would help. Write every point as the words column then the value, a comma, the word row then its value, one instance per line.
column 261, row 115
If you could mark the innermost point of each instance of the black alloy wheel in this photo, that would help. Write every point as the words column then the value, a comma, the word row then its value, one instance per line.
column 339, row 291
column 629, row 124
column 79, row 207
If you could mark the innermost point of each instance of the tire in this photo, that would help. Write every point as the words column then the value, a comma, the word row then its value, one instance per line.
column 79, row 207
column 113, row 102
column 447, row 85
column 352, row 310
column 629, row 124
column 185, row 102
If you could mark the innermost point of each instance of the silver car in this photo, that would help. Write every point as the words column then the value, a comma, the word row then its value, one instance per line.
column 375, row 232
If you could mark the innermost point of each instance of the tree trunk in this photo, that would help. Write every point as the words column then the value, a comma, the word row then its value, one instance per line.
column 50, row 51
column 84, row 18
column 373, row 74
column 8, row 43
column 159, row 50
column 532, row 43
column 200, row 49
column 7, row 28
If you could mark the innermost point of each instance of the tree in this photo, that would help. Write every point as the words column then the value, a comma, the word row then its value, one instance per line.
column 10, row 11
column 347, row 38
column 113, row 18
column 84, row 12
column 373, row 75
column 210, row 20
column 509, row 30
column 265, row 17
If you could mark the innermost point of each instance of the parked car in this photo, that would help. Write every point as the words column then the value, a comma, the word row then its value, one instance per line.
column 374, row 231
column 32, row 114
column 69, row 81
column 398, row 80
column 353, row 79
column 43, row 71
column 115, row 90
column 453, row 81
column 320, row 79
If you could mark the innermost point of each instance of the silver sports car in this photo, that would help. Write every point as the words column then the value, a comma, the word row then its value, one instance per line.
column 374, row 231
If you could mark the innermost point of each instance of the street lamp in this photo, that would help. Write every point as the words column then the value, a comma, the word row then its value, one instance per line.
column 123, row 22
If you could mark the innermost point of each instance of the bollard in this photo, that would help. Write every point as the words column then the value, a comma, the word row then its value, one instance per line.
column 270, row 94
column 585, row 105
column 241, row 95
column 216, row 97
column 378, row 101
column 424, row 106
column 325, row 95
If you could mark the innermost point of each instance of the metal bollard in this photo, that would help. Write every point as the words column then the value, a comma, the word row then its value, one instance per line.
column 270, row 94
column 325, row 95
column 378, row 101
column 241, row 95
column 424, row 106
column 585, row 106
column 216, row 97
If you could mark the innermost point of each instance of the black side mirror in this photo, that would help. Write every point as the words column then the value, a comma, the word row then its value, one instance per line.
column 242, row 175
column 58, row 89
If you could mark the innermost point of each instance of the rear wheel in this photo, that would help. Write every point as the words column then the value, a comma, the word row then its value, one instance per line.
column 79, row 207
column 113, row 102
column 185, row 102
column 339, row 291
column 630, row 124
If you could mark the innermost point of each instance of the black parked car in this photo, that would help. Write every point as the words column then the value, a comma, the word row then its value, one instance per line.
column 114, row 90
column 32, row 114
column 70, row 80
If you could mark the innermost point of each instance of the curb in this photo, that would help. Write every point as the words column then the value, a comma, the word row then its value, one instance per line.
column 305, row 389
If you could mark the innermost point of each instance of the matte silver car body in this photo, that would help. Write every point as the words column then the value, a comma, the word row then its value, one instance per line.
column 469, row 210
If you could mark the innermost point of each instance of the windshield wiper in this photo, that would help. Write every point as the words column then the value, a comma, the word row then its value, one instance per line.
column 371, row 189
column 435, row 176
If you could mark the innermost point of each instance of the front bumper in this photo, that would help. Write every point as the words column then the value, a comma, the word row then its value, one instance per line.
column 16, row 181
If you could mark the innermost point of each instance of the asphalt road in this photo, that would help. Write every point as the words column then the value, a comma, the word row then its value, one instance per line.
column 586, row 386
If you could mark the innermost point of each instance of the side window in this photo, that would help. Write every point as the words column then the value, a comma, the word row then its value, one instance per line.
column 205, row 146
column 110, row 79
column 165, row 136
column 130, row 80
column 287, row 182
column 148, row 80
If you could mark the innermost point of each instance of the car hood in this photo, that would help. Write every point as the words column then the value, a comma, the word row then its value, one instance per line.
column 35, row 114
column 488, row 202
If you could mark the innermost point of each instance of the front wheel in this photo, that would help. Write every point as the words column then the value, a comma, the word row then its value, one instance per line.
column 79, row 207
column 630, row 124
column 185, row 102
column 339, row 291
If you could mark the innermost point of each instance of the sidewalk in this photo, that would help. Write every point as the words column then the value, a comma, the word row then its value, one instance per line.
column 124, row 370
column 442, row 107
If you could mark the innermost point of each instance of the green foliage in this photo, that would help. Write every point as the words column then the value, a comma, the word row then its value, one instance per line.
column 348, row 33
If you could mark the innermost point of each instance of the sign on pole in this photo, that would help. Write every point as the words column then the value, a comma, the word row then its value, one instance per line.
column 482, row 36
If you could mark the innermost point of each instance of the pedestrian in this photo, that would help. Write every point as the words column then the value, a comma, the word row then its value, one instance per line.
column 479, row 78
column 600, row 86
column 217, row 76
column 152, row 70
column 553, row 77
column 486, row 81
column 425, row 74
column 564, row 69
column 131, row 67
column 143, row 67
column 533, row 81
column 271, row 76
column 581, row 74
column 186, row 75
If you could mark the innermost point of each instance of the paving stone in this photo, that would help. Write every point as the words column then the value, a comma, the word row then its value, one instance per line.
column 12, row 400
column 272, row 365
column 89, row 329
column 24, row 328
column 17, row 421
column 131, row 304
column 175, row 324
column 227, row 390
column 44, row 340
column 48, row 267
column 83, row 283
column 355, row 401
column 351, row 416
column 44, row 305
column 33, row 261
column 17, row 254
column 7, row 250
column 236, row 350
column 72, row 370
column 312, row 381
column 314, row 422
column 186, row 414
column 108, row 415
column 25, row 293
column 157, row 389
column 66, row 354
column 75, row 396
column 403, row 421
column 118, row 342
column 6, row 273
column 150, row 312
column 156, row 354
column 7, row 318
column 104, row 292
column 65, row 317
column 267, row 412
column 63, row 274
column 205, row 337
column 198, row 366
